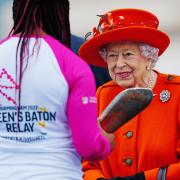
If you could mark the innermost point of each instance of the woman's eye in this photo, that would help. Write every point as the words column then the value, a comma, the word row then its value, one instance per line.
column 112, row 56
column 128, row 54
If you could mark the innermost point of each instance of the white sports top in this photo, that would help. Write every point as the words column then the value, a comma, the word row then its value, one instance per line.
column 56, row 125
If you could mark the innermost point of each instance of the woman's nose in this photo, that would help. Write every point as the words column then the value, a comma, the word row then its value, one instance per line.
column 120, row 61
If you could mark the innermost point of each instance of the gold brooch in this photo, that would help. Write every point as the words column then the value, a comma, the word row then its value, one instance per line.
column 165, row 95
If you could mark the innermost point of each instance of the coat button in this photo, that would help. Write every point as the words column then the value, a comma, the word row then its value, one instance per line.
column 170, row 77
column 129, row 134
column 128, row 161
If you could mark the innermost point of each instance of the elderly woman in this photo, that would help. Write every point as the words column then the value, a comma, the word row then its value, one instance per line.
column 128, row 42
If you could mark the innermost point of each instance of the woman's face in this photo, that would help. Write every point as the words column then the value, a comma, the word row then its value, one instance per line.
column 126, row 66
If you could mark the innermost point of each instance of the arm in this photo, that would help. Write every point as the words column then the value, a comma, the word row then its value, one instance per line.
column 81, row 103
column 92, row 170
column 82, row 114
column 173, row 172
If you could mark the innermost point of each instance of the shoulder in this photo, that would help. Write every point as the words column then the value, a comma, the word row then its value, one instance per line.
column 65, row 54
column 171, row 82
column 4, row 40
column 171, row 79
column 107, row 86
column 108, row 90
column 71, row 65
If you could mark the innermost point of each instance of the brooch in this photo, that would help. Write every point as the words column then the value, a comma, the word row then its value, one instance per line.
column 165, row 95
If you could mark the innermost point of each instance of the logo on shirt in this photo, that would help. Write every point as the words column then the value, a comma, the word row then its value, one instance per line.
column 26, row 123
column 90, row 99
column 7, row 84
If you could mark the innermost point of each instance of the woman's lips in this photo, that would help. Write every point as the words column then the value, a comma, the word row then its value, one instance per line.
column 123, row 75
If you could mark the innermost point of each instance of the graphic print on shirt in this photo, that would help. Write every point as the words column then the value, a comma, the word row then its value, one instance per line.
column 7, row 83
column 25, row 123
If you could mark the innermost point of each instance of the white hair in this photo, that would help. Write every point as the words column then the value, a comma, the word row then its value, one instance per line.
column 147, row 51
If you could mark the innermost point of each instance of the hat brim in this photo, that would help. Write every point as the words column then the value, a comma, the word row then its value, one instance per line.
column 89, row 51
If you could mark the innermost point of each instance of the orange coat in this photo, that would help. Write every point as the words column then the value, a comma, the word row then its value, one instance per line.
column 149, row 141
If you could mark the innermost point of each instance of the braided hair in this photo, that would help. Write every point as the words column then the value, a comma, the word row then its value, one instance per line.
column 52, row 16
column 32, row 16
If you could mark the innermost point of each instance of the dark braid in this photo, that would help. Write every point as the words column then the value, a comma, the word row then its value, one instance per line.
column 50, row 15
column 30, row 16
column 54, row 25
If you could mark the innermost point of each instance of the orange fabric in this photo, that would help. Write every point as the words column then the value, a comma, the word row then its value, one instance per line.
column 156, row 136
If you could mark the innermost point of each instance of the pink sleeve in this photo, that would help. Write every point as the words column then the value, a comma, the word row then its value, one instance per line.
column 5, row 39
column 81, row 105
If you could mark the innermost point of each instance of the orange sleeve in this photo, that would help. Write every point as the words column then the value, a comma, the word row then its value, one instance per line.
column 92, row 170
column 173, row 170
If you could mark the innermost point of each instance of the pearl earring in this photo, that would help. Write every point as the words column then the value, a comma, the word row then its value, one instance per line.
column 148, row 68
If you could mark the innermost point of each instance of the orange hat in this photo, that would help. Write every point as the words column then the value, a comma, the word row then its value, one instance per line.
column 123, row 25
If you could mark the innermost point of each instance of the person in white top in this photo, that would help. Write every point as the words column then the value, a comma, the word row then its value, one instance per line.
column 48, row 110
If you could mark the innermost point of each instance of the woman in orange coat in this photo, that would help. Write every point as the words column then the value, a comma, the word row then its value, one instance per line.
column 148, row 146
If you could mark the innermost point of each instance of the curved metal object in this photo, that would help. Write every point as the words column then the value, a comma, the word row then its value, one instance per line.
column 124, row 107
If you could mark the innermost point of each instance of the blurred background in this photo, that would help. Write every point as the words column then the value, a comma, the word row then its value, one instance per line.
column 83, row 18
